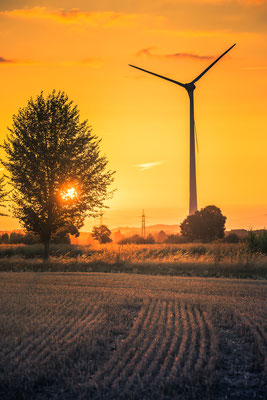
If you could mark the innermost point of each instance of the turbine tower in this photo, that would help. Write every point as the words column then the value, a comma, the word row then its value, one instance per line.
column 190, row 87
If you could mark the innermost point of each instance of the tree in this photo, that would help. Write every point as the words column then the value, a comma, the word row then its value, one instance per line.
column 61, row 238
column 161, row 237
column 102, row 234
column 5, row 238
column 16, row 238
column 231, row 238
column 207, row 224
column 136, row 239
column 3, row 195
column 175, row 239
column 149, row 239
column 55, row 168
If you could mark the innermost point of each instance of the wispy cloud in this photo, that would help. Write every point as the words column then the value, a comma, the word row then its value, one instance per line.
column 93, row 62
column 148, row 52
column 146, row 166
column 6, row 61
column 73, row 16
column 242, row 2
column 15, row 62
column 90, row 62
column 260, row 67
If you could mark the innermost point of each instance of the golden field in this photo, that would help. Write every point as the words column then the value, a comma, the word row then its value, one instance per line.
column 128, row 336
column 192, row 259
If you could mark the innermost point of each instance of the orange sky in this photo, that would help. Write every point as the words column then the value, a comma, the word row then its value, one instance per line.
column 84, row 48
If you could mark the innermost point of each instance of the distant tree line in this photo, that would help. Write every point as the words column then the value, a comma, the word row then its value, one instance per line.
column 205, row 225
column 27, row 238
column 136, row 239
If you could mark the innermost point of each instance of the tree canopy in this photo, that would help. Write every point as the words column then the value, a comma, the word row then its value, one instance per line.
column 55, row 167
column 3, row 195
column 102, row 234
column 207, row 224
column 136, row 239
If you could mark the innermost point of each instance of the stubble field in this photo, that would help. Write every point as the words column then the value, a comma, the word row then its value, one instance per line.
column 122, row 336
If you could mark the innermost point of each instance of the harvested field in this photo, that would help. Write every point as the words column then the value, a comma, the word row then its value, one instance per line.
column 120, row 336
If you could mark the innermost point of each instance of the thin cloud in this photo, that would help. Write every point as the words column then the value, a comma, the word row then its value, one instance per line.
column 242, row 2
column 73, row 16
column 90, row 62
column 255, row 67
column 6, row 61
column 148, row 52
column 146, row 166
column 93, row 62
column 14, row 62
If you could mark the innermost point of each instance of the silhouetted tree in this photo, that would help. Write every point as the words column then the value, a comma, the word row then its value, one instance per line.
column 149, row 239
column 207, row 224
column 5, row 238
column 55, row 168
column 16, row 237
column 102, row 234
column 3, row 195
column 161, row 237
column 175, row 239
column 61, row 238
column 231, row 238
column 30, row 239
column 136, row 239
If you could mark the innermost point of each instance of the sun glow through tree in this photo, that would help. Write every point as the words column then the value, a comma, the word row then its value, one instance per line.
column 69, row 194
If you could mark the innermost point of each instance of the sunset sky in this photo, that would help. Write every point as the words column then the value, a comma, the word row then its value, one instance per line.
column 84, row 48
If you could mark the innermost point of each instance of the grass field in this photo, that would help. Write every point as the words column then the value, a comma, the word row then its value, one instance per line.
column 204, row 260
column 120, row 336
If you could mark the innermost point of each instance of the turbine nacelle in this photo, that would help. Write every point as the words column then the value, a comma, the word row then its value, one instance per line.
column 190, row 87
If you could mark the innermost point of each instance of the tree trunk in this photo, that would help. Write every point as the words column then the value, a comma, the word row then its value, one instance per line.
column 46, row 249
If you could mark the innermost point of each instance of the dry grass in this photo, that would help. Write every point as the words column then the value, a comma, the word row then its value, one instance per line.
column 206, row 260
column 120, row 336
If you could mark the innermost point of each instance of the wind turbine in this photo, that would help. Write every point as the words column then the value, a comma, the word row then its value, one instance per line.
column 190, row 87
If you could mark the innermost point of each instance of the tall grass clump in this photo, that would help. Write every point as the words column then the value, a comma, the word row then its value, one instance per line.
column 257, row 243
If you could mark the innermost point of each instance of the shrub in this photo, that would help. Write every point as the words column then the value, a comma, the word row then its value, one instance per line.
column 175, row 239
column 136, row 239
column 231, row 238
column 257, row 242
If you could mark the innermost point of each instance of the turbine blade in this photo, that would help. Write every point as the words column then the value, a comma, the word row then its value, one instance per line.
column 159, row 76
column 211, row 65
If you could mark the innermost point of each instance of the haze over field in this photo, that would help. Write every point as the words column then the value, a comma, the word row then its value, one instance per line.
column 143, row 121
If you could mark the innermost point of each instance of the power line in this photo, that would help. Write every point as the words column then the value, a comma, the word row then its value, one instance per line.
column 143, row 230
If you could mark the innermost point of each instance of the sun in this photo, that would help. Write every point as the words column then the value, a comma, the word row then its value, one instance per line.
column 69, row 194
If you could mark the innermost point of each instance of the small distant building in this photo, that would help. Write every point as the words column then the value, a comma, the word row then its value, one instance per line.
column 117, row 236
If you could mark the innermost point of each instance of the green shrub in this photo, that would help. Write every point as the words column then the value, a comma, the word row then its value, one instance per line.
column 231, row 238
column 257, row 242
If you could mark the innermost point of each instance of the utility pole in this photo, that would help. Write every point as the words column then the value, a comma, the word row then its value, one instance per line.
column 143, row 234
